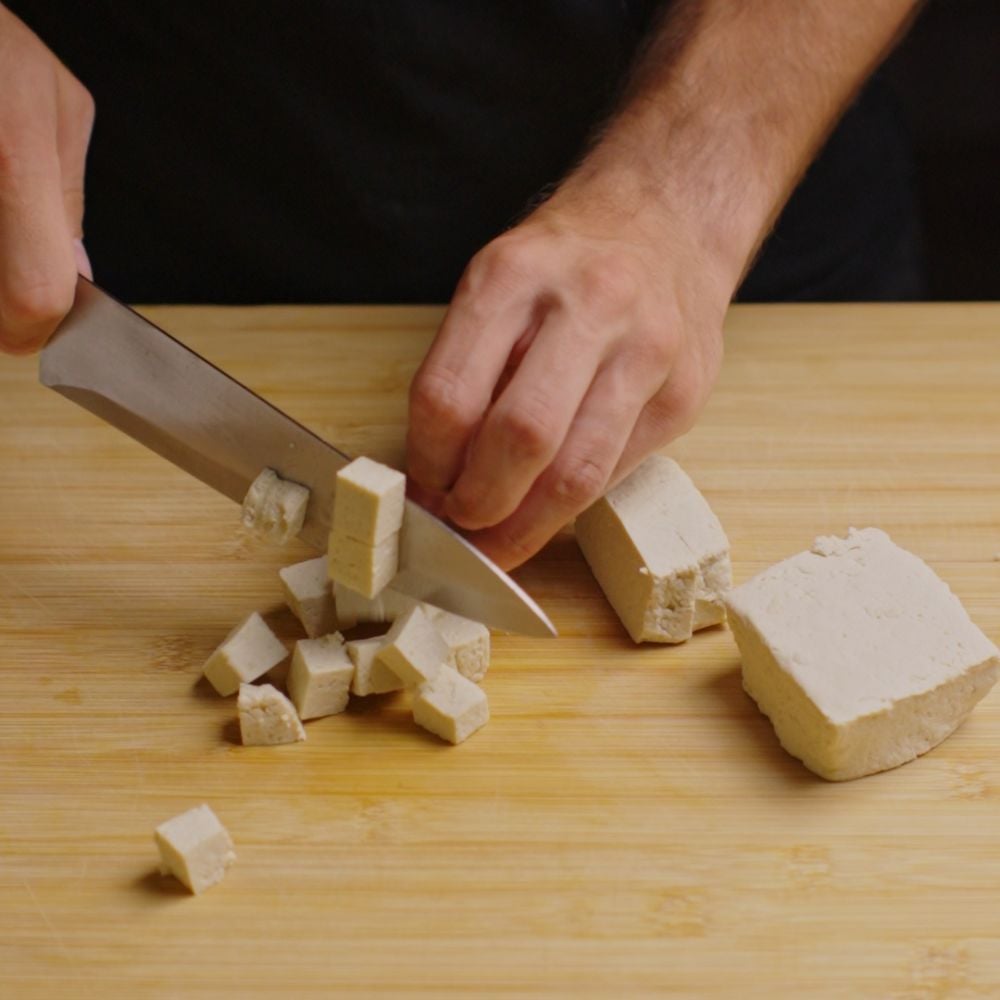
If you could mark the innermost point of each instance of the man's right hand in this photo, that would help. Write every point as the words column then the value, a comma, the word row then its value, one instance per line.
column 46, row 116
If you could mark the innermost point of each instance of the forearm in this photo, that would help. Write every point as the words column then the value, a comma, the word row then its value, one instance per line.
column 726, row 108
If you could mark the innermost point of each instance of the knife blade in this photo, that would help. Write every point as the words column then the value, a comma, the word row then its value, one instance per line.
column 129, row 372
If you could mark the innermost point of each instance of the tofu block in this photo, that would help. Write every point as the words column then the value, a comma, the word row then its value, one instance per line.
column 468, row 641
column 267, row 717
column 319, row 680
column 371, row 676
column 309, row 596
column 859, row 654
column 451, row 706
column 368, row 502
column 658, row 552
column 195, row 848
column 248, row 652
column 414, row 649
column 274, row 508
column 365, row 569
column 386, row 606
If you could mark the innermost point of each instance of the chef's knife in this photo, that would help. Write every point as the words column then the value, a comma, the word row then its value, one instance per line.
column 111, row 361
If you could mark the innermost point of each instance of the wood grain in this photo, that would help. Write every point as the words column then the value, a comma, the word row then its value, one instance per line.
column 626, row 826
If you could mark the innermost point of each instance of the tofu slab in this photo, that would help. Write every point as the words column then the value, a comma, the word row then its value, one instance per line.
column 451, row 706
column 414, row 650
column 309, row 596
column 371, row 675
column 319, row 679
column 267, row 717
column 658, row 552
column 368, row 502
column 365, row 569
column 274, row 508
column 195, row 848
column 248, row 652
column 860, row 655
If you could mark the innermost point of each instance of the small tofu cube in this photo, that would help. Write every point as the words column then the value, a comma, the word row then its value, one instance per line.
column 248, row 652
column 451, row 706
column 386, row 606
column 369, row 501
column 195, row 848
column 469, row 642
column 274, row 508
column 309, row 596
column 319, row 680
column 414, row 650
column 267, row 717
column 365, row 569
column 658, row 552
column 371, row 676
column 859, row 654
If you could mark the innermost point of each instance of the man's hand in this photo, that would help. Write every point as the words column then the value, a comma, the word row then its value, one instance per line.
column 590, row 334
column 46, row 117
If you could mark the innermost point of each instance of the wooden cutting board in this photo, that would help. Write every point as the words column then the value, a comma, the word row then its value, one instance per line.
column 626, row 825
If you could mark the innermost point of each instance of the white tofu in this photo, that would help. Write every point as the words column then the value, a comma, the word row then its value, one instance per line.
column 371, row 676
column 451, row 706
column 319, row 680
column 414, row 649
column 248, row 652
column 369, row 501
column 386, row 606
column 658, row 552
column 195, row 848
column 309, row 596
column 468, row 642
column 365, row 569
column 267, row 717
column 274, row 508
column 859, row 654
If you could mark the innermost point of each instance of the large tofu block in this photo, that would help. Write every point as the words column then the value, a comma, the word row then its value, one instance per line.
column 414, row 650
column 386, row 606
column 274, row 508
column 658, row 552
column 267, row 717
column 371, row 675
column 195, row 848
column 309, row 596
column 319, row 680
column 859, row 654
column 248, row 652
column 468, row 642
column 368, row 501
column 451, row 706
column 365, row 569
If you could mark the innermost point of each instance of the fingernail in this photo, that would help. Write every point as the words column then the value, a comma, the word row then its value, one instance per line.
column 82, row 260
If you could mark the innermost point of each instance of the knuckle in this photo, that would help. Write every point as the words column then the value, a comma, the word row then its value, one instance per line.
column 40, row 304
column 528, row 429
column 579, row 481
column 437, row 398
column 609, row 285
column 503, row 265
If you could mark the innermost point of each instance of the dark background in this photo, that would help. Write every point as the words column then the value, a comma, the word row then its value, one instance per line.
column 946, row 75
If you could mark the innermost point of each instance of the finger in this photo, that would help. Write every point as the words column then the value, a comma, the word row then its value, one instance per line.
column 581, row 471
column 73, row 132
column 453, row 387
column 525, row 428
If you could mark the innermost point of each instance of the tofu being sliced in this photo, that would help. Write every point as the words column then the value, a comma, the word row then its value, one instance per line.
column 369, row 501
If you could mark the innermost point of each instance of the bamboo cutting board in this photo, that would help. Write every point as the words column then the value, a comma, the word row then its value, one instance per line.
column 626, row 826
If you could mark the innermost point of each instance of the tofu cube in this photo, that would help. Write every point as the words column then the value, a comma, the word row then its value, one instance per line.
column 451, row 706
column 195, row 848
column 267, row 717
column 371, row 676
column 414, row 650
column 274, row 508
column 309, row 596
column 368, row 502
column 386, row 606
column 365, row 569
column 859, row 654
column 658, row 552
column 468, row 641
column 248, row 652
column 319, row 680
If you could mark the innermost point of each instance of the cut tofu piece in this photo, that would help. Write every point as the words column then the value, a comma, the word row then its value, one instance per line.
column 365, row 569
column 195, row 848
column 319, row 680
column 248, row 652
column 371, row 676
column 469, row 642
column 267, row 717
column 386, row 606
column 309, row 596
column 658, row 552
column 368, row 502
column 451, row 706
column 414, row 649
column 274, row 508
column 859, row 654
